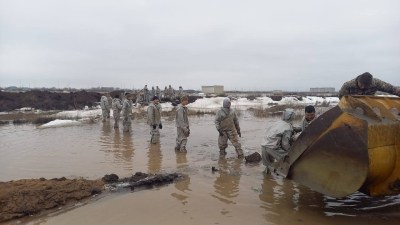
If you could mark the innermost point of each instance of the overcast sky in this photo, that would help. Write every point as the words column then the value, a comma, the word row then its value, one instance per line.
column 247, row 45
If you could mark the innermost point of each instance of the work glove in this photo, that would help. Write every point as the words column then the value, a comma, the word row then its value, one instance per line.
column 239, row 133
column 160, row 126
column 297, row 129
column 154, row 126
column 186, row 132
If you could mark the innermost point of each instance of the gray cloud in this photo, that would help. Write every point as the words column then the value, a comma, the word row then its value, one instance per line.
column 249, row 45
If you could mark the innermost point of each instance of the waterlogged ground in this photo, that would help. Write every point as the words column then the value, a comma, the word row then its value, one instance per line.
column 236, row 194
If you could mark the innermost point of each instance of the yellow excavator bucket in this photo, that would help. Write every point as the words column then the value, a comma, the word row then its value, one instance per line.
column 354, row 146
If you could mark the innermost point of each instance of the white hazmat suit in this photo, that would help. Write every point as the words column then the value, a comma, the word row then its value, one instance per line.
column 276, row 142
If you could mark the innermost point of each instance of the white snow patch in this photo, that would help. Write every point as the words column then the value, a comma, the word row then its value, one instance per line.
column 25, row 109
column 265, row 102
column 166, row 107
column 210, row 104
column 80, row 113
column 60, row 123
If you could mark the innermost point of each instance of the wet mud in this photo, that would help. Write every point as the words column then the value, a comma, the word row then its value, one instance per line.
column 29, row 196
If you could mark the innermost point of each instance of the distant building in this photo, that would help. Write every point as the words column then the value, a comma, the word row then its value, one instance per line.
column 322, row 90
column 12, row 88
column 107, row 89
column 216, row 89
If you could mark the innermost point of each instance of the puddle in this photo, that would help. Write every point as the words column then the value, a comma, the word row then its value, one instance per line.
column 235, row 194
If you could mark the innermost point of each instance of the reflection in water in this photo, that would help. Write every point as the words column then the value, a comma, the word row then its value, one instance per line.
column 227, row 184
column 358, row 204
column 155, row 158
column 105, row 137
column 117, row 140
column 279, row 198
column 182, row 186
column 285, row 202
column 122, row 150
column 127, row 147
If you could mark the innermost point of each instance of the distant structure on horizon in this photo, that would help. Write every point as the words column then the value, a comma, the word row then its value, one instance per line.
column 322, row 90
column 15, row 88
column 216, row 89
column 277, row 92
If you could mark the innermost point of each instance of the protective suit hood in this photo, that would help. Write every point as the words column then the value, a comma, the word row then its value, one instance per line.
column 225, row 103
column 288, row 115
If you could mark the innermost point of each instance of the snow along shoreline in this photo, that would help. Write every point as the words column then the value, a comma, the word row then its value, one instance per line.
column 214, row 104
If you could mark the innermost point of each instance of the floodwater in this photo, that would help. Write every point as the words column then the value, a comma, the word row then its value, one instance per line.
column 236, row 194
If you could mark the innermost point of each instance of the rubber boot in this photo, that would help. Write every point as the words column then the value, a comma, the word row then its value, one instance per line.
column 240, row 153
column 266, row 170
column 222, row 152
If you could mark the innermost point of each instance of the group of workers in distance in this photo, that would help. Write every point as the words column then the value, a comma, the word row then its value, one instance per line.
column 278, row 138
column 145, row 95
column 154, row 112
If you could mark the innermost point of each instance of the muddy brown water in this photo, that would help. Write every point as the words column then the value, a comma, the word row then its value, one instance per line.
column 236, row 194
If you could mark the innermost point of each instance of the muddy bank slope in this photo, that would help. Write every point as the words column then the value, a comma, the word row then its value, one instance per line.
column 26, row 197
column 30, row 196
column 45, row 100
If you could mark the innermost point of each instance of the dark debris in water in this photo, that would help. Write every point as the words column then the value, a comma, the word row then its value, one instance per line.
column 253, row 158
column 110, row 178
column 142, row 180
column 151, row 180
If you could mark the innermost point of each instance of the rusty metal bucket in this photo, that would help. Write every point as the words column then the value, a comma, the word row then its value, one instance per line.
column 353, row 146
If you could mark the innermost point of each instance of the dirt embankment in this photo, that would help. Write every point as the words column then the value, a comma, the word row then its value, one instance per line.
column 45, row 100
column 30, row 196
column 26, row 197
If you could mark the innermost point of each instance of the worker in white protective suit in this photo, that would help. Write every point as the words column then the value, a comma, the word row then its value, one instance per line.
column 171, row 93
column 182, row 125
column 181, row 93
column 277, row 140
column 153, row 92
column 158, row 92
column 309, row 117
column 227, row 124
column 105, row 107
column 117, row 107
column 154, row 112
column 165, row 92
column 127, row 112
